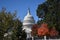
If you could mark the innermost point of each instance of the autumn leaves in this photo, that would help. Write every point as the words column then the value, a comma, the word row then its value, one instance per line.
column 43, row 30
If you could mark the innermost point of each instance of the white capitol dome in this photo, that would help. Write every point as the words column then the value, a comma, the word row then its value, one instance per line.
column 28, row 19
column 28, row 22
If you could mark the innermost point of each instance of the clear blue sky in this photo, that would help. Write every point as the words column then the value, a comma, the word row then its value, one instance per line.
column 21, row 6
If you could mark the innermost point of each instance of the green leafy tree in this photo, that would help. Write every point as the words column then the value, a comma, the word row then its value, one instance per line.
column 9, row 23
column 49, row 11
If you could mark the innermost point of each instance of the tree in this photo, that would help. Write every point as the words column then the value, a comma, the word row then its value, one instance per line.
column 43, row 30
column 53, row 32
column 34, row 30
column 49, row 12
column 6, row 22
column 10, row 23
column 23, row 36
column 17, row 30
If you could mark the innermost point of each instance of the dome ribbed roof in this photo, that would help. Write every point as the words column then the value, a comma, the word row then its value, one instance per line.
column 28, row 19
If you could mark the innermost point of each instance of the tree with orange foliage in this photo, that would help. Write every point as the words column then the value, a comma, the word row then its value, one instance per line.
column 53, row 32
column 43, row 30
column 34, row 29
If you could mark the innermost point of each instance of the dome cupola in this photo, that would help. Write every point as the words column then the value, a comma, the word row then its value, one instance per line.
column 28, row 19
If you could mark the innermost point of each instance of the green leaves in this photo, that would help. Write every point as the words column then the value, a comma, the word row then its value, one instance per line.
column 9, row 22
column 51, row 13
